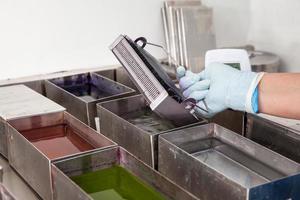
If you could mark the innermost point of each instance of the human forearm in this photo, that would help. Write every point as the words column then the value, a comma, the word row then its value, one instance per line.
column 279, row 94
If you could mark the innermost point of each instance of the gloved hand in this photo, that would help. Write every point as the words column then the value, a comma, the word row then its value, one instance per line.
column 221, row 87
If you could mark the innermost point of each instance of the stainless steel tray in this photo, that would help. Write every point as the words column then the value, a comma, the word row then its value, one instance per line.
column 131, row 124
column 119, row 75
column 277, row 137
column 65, row 188
column 80, row 93
column 215, row 163
column 35, row 142
column 19, row 101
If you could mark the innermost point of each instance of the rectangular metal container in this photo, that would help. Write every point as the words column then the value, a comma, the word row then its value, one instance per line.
column 19, row 101
column 35, row 142
column 131, row 123
column 278, row 134
column 80, row 93
column 65, row 188
column 214, row 163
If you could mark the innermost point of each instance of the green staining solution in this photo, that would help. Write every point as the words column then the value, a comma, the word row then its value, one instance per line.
column 115, row 183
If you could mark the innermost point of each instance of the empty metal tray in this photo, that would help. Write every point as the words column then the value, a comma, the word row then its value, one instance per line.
column 65, row 188
column 80, row 93
column 131, row 123
column 284, row 138
column 34, row 142
column 215, row 163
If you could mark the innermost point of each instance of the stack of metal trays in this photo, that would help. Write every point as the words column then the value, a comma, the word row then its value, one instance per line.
column 278, row 134
column 215, row 163
column 189, row 33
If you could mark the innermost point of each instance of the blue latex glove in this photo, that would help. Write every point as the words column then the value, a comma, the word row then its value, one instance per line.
column 222, row 87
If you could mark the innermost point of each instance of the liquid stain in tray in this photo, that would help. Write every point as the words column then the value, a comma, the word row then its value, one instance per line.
column 148, row 121
column 57, row 141
column 115, row 183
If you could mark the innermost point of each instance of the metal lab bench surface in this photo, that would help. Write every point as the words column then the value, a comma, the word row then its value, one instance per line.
column 278, row 134
column 214, row 163
column 131, row 123
column 80, row 93
column 65, row 188
column 20, row 101
column 35, row 142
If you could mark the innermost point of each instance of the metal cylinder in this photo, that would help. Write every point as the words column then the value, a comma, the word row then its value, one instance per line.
column 262, row 61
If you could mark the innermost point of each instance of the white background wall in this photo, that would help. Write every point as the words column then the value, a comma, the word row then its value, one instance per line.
column 275, row 27
column 42, row 36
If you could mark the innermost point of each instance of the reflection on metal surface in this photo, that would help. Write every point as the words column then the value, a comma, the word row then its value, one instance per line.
column 282, row 138
column 64, row 188
column 233, row 163
column 230, row 119
column 148, row 121
column 87, row 92
column 80, row 93
column 231, row 166
column 14, row 183
column 35, row 142
column 119, row 75
column 130, row 123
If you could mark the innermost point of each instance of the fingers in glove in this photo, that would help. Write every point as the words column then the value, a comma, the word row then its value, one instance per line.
column 198, row 86
column 198, row 95
column 188, row 80
column 180, row 72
